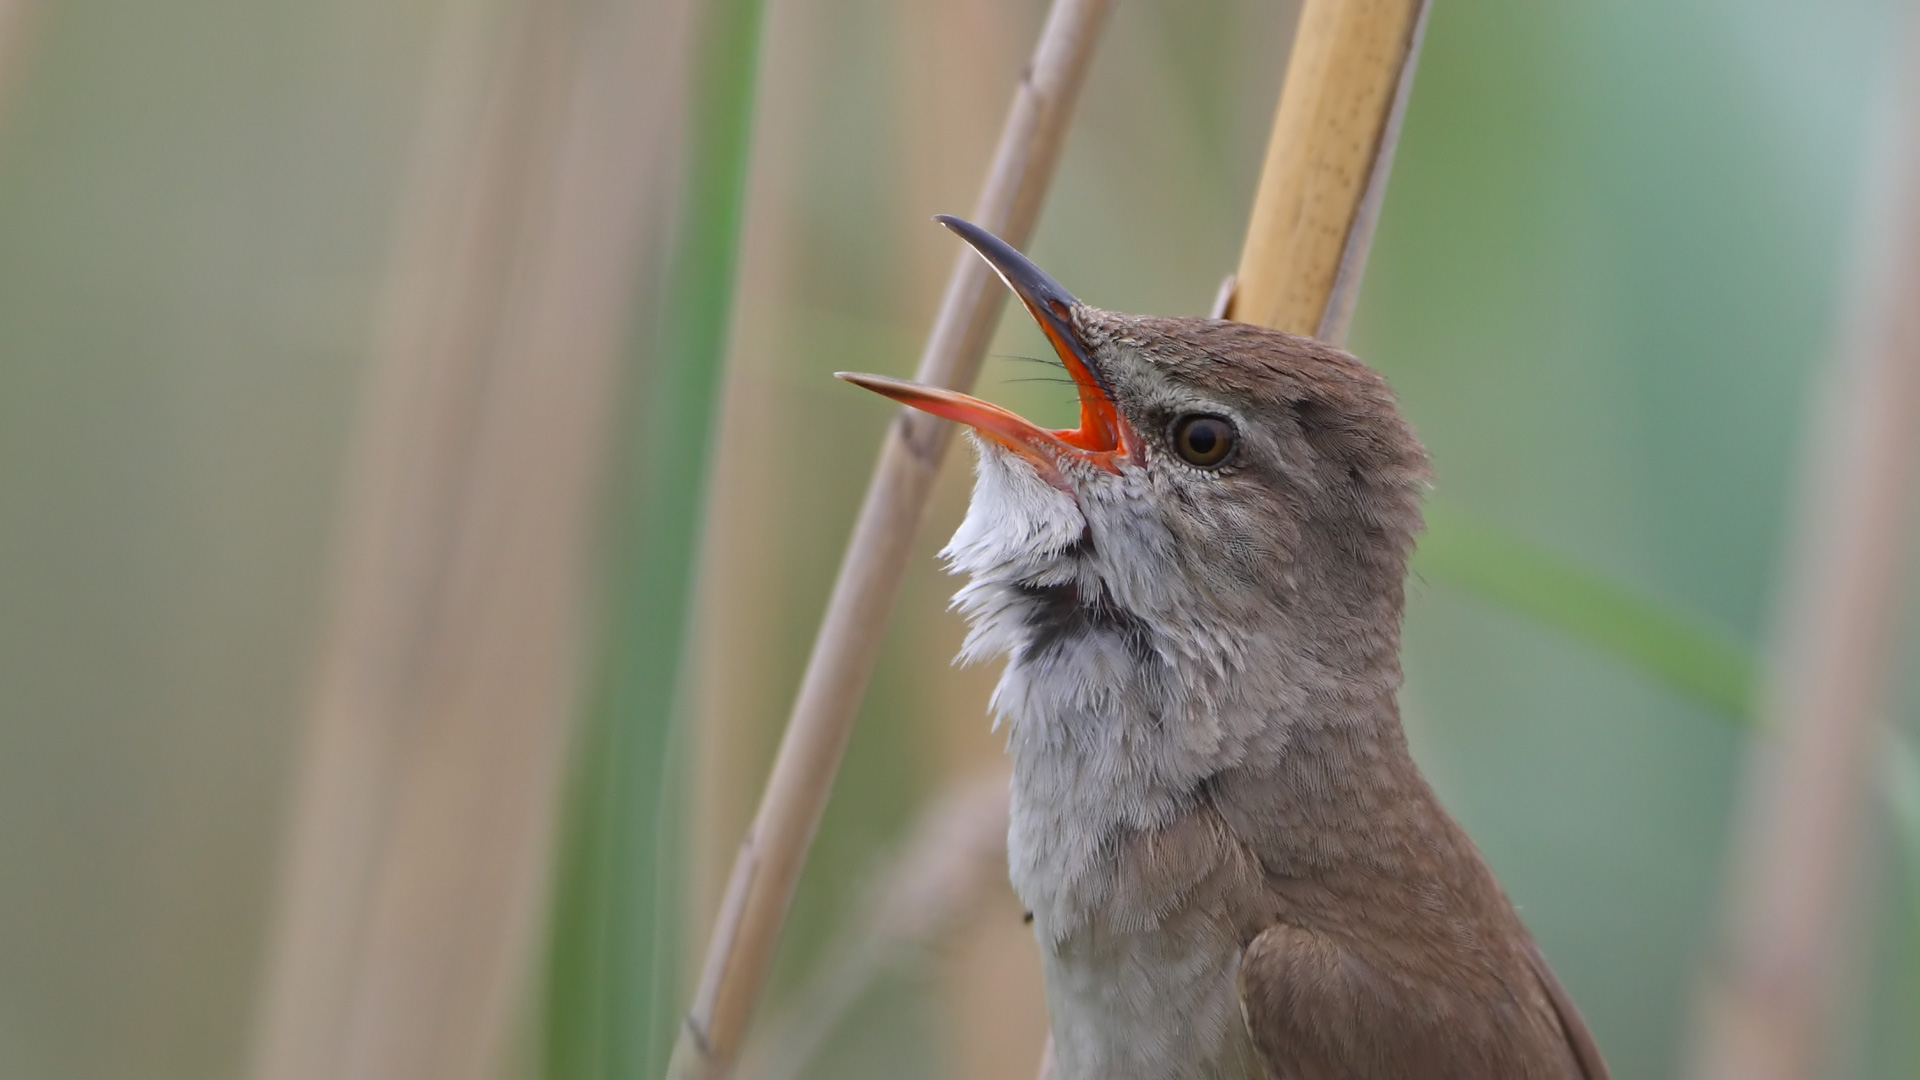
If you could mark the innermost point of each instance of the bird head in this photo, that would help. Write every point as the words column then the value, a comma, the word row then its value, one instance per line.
column 1232, row 493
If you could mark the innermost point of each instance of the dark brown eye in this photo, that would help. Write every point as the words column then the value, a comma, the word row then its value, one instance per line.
column 1204, row 440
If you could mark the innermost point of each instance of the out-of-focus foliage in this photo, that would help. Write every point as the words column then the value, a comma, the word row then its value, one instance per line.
column 1527, row 580
column 1612, row 253
column 196, row 209
column 613, row 988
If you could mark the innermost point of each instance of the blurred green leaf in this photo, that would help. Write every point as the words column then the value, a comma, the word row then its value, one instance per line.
column 1902, row 780
column 1554, row 590
column 1662, row 643
column 613, row 993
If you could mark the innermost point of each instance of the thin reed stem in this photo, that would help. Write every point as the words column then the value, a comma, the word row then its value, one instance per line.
column 617, row 954
column 767, row 868
column 420, row 847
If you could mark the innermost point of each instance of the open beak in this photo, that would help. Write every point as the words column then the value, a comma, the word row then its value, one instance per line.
column 1103, row 437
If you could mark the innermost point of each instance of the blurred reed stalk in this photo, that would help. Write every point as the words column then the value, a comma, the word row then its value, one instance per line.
column 1325, row 175
column 771, row 855
column 951, row 858
column 613, row 977
column 18, row 19
column 1768, row 999
column 420, row 851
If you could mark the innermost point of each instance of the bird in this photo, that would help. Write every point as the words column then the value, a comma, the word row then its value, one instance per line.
column 1233, row 867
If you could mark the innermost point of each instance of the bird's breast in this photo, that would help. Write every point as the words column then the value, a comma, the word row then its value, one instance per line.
column 1140, row 895
column 1140, row 930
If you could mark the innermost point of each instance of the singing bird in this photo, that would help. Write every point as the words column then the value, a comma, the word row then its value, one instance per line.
column 1233, row 866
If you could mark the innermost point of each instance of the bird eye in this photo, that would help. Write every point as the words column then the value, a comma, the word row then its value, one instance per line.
column 1204, row 440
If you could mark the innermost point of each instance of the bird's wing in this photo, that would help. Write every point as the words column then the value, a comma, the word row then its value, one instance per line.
column 1572, row 1026
column 1317, row 1010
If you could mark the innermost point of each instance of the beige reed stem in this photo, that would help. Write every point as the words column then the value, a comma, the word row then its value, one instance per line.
column 1768, row 999
column 1327, row 163
column 760, row 889
column 408, row 922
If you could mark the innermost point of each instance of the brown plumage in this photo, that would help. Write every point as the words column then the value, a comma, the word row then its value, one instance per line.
column 1392, row 951
column 1234, row 866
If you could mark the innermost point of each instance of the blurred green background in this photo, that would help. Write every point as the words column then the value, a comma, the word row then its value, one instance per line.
column 1615, row 249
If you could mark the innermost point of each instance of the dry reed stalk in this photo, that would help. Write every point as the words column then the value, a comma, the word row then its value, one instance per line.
column 1768, row 998
column 420, row 839
column 1327, row 163
column 953, row 855
column 760, row 888
column 991, row 1008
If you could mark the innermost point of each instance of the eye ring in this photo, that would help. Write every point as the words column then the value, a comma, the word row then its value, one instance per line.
column 1204, row 440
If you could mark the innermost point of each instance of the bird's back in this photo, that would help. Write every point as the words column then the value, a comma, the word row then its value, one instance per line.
column 1317, row 918
column 1392, row 951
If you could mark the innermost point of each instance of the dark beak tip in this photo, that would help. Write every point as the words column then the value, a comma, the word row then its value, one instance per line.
column 1033, row 285
column 879, row 384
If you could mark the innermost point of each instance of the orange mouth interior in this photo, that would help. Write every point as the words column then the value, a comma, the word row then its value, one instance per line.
column 1103, row 438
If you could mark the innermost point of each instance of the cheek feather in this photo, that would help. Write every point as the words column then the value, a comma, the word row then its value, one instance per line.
column 1020, row 534
column 1017, row 524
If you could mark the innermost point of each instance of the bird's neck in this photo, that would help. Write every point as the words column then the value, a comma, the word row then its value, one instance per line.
column 1166, row 699
column 1121, row 724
